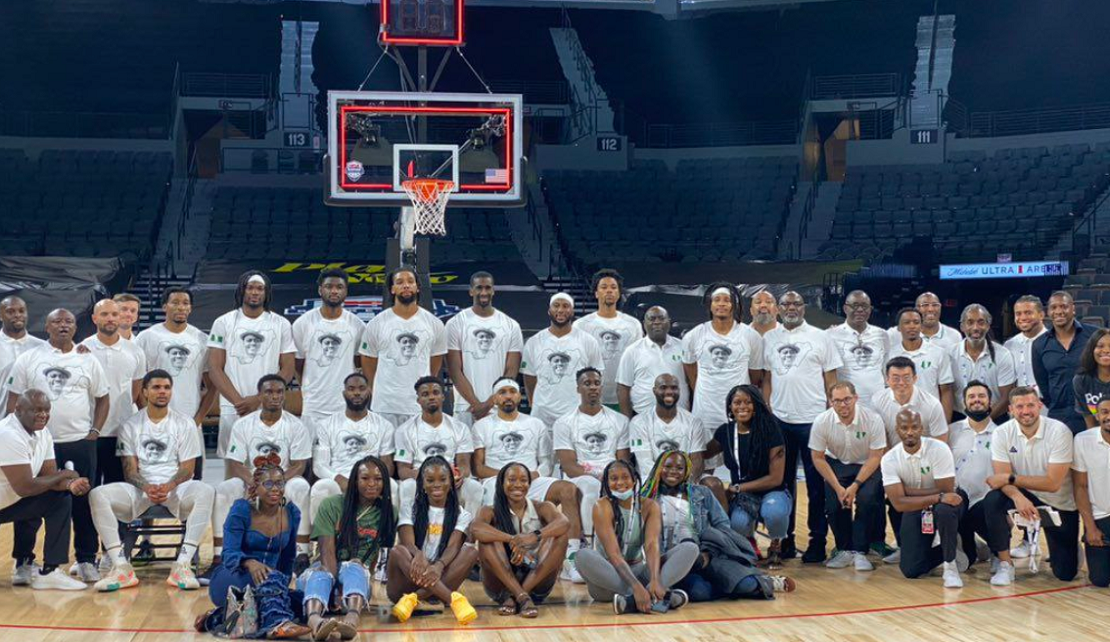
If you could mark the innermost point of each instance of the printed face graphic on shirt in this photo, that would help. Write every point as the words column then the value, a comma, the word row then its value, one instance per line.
column 250, row 345
column 482, row 344
column 610, row 344
column 403, row 348
column 512, row 441
column 329, row 349
column 666, row 444
column 56, row 381
column 353, row 444
column 264, row 447
column 860, row 357
column 596, row 442
column 789, row 355
column 154, row 451
column 558, row 367
column 719, row 355
column 177, row 357
column 434, row 449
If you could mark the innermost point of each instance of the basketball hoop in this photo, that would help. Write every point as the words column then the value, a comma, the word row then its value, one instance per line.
column 429, row 199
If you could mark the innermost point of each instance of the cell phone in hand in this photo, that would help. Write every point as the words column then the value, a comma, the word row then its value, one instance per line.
column 660, row 606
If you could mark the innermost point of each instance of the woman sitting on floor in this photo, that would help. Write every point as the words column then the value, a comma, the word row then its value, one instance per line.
column 521, row 544
column 626, row 566
column 251, row 587
column 430, row 560
column 350, row 530
column 690, row 513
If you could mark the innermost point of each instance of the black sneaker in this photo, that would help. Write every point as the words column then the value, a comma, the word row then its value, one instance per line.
column 300, row 564
column 205, row 578
column 144, row 555
column 677, row 598
column 815, row 554
column 789, row 550
column 623, row 604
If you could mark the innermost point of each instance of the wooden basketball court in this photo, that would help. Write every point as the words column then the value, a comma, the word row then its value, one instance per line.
column 840, row 605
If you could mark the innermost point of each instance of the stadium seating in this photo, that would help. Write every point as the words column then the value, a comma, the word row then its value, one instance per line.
column 284, row 223
column 1018, row 201
column 706, row 210
column 82, row 203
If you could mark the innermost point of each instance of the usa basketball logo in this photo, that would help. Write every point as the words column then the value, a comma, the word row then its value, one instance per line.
column 354, row 170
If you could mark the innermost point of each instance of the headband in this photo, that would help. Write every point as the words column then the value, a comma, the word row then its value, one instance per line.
column 721, row 290
column 257, row 278
column 506, row 383
column 561, row 296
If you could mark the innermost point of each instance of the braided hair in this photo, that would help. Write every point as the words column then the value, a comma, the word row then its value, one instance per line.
column 654, row 485
column 618, row 517
column 348, row 539
column 763, row 426
column 241, row 288
column 263, row 465
column 503, row 519
column 420, row 505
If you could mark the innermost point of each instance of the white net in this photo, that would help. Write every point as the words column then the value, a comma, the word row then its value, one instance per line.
column 429, row 199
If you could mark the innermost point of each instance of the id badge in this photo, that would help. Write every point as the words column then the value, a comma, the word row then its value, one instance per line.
column 927, row 527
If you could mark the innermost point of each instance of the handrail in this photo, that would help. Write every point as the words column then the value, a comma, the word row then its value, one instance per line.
column 853, row 86
column 60, row 124
column 187, row 202
column 173, row 99
column 807, row 209
column 534, row 91
column 219, row 85
column 1089, row 221
column 1031, row 121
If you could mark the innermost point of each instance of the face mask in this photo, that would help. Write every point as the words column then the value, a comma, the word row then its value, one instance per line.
column 622, row 495
column 978, row 415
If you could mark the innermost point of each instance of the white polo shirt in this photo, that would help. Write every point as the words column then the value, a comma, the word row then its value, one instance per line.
column 71, row 380
column 926, row 405
column 797, row 361
column 972, row 452
column 416, row 440
column 1092, row 456
column 341, row 441
column 123, row 363
column 945, row 337
column 1021, row 347
column 327, row 347
column 594, row 439
column 251, row 437
column 863, row 356
column 996, row 372
column 724, row 361
column 554, row 361
column 404, row 349
column 645, row 360
column 848, row 443
column 934, row 366
column 649, row 436
column 485, row 344
column 613, row 336
column 18, row 447
column 1051, row 444
column 10, row 349
column 921, row 470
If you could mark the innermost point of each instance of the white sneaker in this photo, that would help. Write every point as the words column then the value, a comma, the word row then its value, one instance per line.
column 962, row 562
column 21, row 575
column 862, row 563
column 56, row 580
column 1021, row 551
column 85, row 571
column 952, row 576
column 120, row 577
column 183, row 578
column 570, row 573
column 104, row 566
column 894, row 557
column 381, row 570
column 1004, row 576
column 842, row 559
column 783, row 584
column 995, row 562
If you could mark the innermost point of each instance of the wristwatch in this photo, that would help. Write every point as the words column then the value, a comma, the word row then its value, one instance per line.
column 537, row 533
column 1013, row 479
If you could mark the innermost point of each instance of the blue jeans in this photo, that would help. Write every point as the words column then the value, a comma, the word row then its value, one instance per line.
column 317, row 583
column 774, row 512
column 276, row 603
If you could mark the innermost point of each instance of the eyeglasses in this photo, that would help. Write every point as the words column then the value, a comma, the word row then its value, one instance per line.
column 842, row 402
column 859, row 306
column 901, row 378
column 270, row 484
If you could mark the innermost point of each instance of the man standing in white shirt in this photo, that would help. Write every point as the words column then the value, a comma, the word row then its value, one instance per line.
column 667, row 427
column 765, row 312
column 613, row 329
column 655, row 354
column 1091, row 475
column 934, row 366
column 129, row 306
column 1032, row 457
column 399, row 347
column 901, row 392
column 159, row 448
column 245, row 345
column 980, row 358
column 326, row 339
column 124, row 365
column 14, row 341
column 932, row 330
column 863, row 347
column 970, row 440
column 483, row 345
column 1029, row 319
column 919, row 478
column 34, row 491
column 801, row 363
column 78, row 391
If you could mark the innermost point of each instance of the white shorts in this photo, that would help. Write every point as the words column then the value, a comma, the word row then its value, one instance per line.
column 228, row 417
column 537, row 492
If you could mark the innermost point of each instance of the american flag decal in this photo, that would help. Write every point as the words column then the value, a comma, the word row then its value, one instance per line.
column 497, row 175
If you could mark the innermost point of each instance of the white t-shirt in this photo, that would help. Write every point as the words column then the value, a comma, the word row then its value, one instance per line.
column 797, row 361
column 594, row 439
column 848, row 443
column 505, row 442
column 485, row 344
column 341, row 441
column 553, row 361
column 416, row 440
column 17, row 447
column 614, row 336
column 972, row 452
column 996, row 372
column 182, row 354
column 404, row 349
column 649, row 436
column 926, row 405
column 328, row 349
column 10, row 349
column 863, row 356
column 934, row 366
column 160, row 446
column 1092, row 456
column 123, row 363
column 1051, row 444
column 1021, row 347
column 71, row 380
column 435, row 527
column 724, row 362
column 946, row 336
column 921, row 470
column 645, row 360
column 253, row 347
column 251, row 437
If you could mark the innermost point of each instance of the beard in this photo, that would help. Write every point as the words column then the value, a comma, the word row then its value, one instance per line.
column 407, row 299
column 357, row 405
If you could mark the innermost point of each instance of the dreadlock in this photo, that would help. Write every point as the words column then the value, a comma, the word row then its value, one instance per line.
column 502, row 513
column 989, row 337
column 762, row 427
column 420, row 505
column 263, row 464
column 618, row 517
column 654, row 486
column 733, row 294
column 241, row 288
column 348, row 538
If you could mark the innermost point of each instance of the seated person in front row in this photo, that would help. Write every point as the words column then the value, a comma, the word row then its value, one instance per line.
column 521, row 544
column 669, row 427
column 159, row 448
column 350, row 531
column 726, row 567
column 430, row 559
column 505, row 437
column 435, row 433
column 260, row 540
column 33, row 491
column 268, row 430
column 626, row 565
